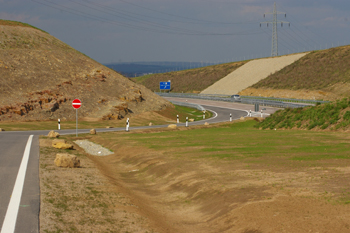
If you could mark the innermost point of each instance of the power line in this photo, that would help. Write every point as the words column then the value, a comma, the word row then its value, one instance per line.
column 145, row 25
column 183, row 17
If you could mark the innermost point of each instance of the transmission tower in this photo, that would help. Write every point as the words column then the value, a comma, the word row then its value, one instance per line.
column 274, row 50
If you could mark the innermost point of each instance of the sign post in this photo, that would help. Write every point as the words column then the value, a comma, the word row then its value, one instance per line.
column 76, row 104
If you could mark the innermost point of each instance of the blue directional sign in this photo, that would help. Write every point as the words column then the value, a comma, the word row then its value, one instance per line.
column 164, row 85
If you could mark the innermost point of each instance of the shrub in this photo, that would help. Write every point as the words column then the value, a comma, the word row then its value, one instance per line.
column 312, row 125
column 346, row 116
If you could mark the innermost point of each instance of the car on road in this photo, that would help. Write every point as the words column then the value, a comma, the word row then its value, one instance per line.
column 236, row 97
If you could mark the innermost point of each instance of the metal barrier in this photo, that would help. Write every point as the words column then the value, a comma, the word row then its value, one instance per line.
column 286, row 99
column 197, row 106
column 251, row 100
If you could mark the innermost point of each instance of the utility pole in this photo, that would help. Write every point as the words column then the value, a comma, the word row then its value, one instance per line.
column 274, row 50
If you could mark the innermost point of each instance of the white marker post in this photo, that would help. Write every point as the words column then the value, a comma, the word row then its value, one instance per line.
column 76, row 104
column 250, row 113
column 177, row 116
column 127, row 125
column 203, row 114
column 59, row 124
column 261, row 113
column 230, row 116
column 186, row 121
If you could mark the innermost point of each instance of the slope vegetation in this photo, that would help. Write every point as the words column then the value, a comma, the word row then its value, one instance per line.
column 330, row 116
column 189, row 81
column 325, row 74
column 40, row 76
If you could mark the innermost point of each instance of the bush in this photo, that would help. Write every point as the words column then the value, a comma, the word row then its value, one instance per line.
column 346, row 116
column 312, row 125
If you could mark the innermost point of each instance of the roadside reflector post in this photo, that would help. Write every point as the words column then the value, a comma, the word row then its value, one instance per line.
column 76, row 104
column 230, row 116
column 250, row 113
column 59, row 124
column 186, row 121
column 177, row 116
column 261, row 113
column 127, row 125
column 203, row 114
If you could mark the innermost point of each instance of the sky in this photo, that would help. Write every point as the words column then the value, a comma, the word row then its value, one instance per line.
column 111, row 31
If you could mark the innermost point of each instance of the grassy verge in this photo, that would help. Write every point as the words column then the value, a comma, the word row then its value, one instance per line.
column 242, row 141
column 184, row 112
column 228, row 168
column 161, row 118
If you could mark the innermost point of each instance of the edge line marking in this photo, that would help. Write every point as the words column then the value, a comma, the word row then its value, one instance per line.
column 9, row 223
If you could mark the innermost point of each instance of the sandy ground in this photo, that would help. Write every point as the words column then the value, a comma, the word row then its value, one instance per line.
column 250, row 73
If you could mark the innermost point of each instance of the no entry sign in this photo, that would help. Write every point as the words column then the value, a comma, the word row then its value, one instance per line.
column 76, row 103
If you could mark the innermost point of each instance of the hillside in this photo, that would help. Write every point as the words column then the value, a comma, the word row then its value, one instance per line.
column 330, row 116
column 321, row 74
column 189, row 81
column 249, row 74
column 40, row 76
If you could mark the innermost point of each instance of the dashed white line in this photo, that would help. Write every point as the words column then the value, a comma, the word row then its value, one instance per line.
column 9, row 223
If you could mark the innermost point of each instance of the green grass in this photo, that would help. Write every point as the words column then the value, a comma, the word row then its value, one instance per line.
column 243, row 141
column 334, row 116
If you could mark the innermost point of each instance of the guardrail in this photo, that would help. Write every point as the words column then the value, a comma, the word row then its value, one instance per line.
column 245, row 100
column 197, row 106
column 286, row 99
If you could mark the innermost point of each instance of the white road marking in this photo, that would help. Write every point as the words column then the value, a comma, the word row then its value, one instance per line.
column 216, row 115
column 12, row 210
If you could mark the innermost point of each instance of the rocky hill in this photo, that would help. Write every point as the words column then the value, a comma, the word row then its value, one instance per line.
column 40, row 76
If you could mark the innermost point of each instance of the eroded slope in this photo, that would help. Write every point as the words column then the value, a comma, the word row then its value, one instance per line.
column 40, row 76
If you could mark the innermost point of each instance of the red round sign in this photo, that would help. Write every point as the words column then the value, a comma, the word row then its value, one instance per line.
column 76, row 103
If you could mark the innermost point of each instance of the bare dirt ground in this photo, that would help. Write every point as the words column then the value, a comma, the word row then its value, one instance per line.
column 138, row 189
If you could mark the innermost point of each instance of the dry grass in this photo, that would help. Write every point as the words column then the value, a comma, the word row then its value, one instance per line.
column 194, row 80
column 16, row 23
column 316, row 71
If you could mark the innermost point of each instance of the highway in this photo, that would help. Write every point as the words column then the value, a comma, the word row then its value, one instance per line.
column 19, row 165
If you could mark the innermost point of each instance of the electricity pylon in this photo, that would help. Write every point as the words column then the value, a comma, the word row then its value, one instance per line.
column 274, row 50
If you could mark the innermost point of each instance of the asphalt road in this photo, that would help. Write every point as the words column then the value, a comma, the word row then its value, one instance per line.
column 25, row 198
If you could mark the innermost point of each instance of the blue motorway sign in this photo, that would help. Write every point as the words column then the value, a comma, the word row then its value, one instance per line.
column 164, row 85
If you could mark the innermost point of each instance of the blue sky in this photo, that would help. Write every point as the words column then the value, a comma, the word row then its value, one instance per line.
column 184, row 30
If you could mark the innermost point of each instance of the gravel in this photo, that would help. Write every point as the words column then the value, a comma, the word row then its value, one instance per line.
column 93, row 148
column 250, row 73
